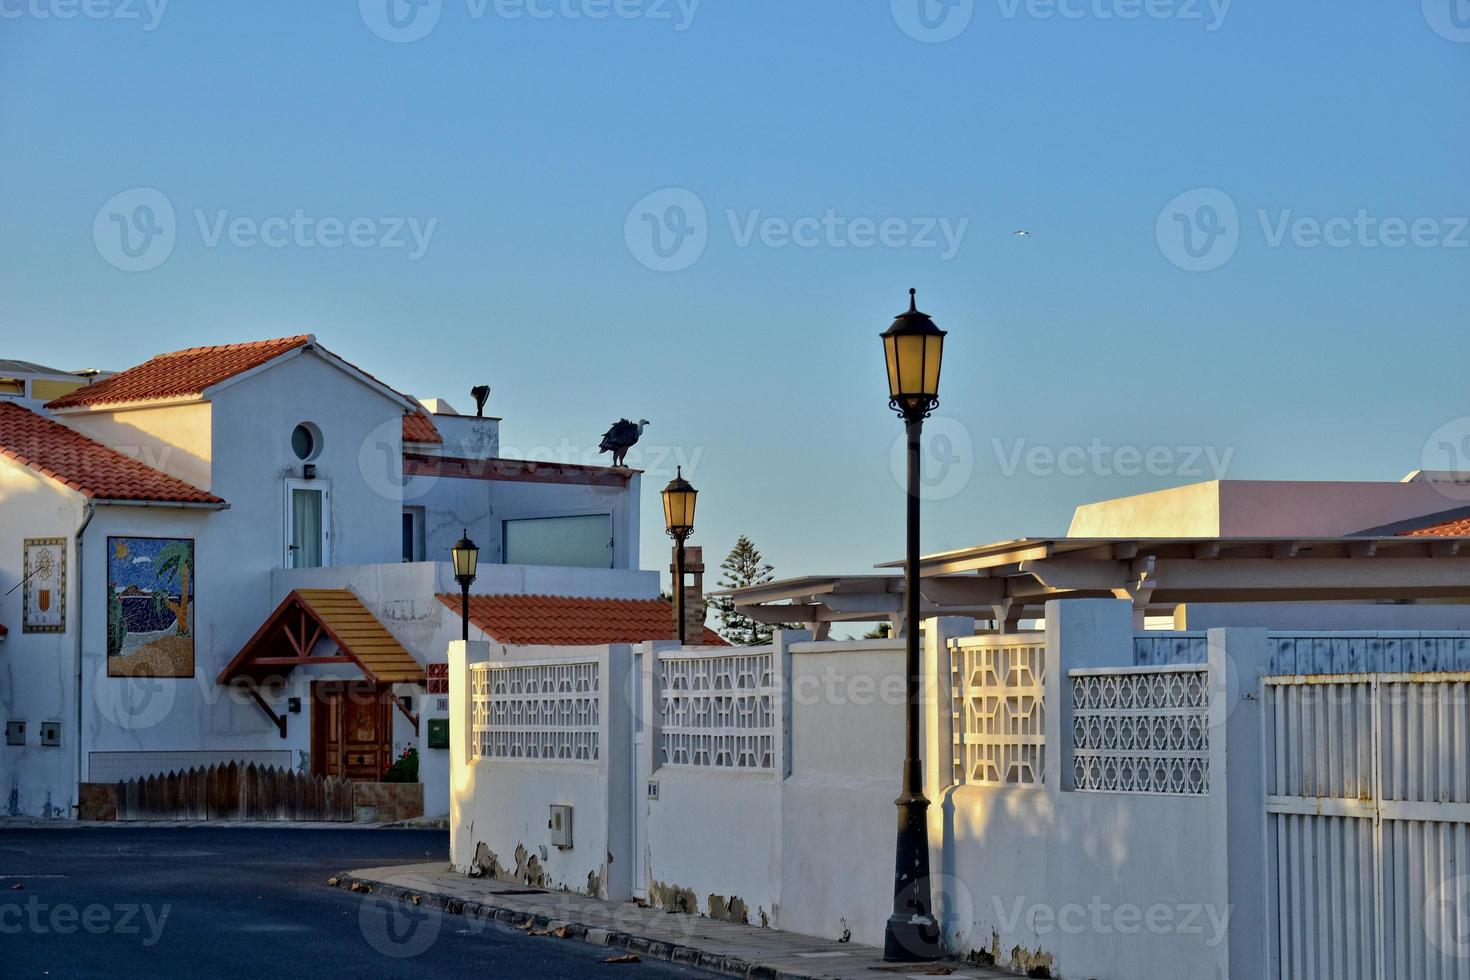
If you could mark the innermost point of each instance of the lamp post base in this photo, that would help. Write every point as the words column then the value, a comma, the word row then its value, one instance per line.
column 912, row 934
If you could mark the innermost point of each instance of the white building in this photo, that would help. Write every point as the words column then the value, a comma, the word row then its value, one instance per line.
column 156, row 526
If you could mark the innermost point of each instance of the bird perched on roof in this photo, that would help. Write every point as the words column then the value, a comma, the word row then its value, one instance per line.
column 623, row 436
column 481, row 395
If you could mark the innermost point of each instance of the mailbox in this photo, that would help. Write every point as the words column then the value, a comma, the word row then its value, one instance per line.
column 438, row 733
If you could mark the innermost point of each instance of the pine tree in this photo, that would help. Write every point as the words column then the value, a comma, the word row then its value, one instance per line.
column 743, row 567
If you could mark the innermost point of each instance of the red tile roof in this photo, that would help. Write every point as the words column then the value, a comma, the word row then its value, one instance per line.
column 420, row 428
column 1449, row 529
column 540, row 620
column 84, row 465
column 180, row 374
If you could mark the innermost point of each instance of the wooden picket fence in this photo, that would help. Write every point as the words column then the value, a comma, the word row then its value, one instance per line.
column 235, row 792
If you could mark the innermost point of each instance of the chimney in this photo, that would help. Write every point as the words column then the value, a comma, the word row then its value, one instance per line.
column 693, row 594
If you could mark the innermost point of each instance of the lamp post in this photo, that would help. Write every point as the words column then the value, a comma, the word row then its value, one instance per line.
column 679, row 501
column 914, row 349
column 466, row 561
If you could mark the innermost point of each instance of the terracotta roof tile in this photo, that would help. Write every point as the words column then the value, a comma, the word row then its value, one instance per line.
column 539, row 620
column 84, row 465
column 1449, row 529
column 180, row 374
column 420, row 428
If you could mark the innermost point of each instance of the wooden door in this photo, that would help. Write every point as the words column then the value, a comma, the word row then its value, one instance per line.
column 351, row 730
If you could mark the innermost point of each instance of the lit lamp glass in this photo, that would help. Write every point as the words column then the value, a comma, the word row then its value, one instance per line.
column 914, row 349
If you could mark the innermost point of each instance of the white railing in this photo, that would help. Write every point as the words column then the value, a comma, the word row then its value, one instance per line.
column 543, row 710
column 1141, row 730
column 998, row 715
column 718, row 710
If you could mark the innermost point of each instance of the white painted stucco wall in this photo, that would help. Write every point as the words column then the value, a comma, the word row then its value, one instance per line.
column 465, row 437
column 453, row 506
column 176, row 439
column 36, row 669
column 501, row 808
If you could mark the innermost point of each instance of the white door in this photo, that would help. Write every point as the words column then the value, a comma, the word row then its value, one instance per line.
column 308, row 523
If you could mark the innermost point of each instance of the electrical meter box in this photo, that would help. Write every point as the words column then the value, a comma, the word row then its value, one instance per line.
column 561, row 826
column 15, row 733
column 51, row 734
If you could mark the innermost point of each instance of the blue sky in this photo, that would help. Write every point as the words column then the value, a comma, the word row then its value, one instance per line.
column 523, row 145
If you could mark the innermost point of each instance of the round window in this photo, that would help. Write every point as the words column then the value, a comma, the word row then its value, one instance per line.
column 306, row 441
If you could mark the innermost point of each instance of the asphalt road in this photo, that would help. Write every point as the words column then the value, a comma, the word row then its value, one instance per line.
column 245, row 902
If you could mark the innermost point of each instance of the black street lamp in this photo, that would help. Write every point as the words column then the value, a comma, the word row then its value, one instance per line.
column 679, row 501
column 466, row 561
column 914, row 349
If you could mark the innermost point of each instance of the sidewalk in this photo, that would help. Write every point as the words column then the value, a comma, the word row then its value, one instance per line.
column 625, row 927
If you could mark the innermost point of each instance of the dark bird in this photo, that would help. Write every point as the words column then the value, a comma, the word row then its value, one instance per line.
column 481, row 395
column 623, row 436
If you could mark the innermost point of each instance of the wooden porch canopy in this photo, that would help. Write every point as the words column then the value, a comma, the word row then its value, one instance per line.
column 291, row 635
column 1012, row 580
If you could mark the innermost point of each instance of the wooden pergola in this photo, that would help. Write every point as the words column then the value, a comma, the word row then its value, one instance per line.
column 1010, row 581
column 307, row 621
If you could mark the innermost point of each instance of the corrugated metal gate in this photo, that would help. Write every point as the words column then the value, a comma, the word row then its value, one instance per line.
column 1367, row 780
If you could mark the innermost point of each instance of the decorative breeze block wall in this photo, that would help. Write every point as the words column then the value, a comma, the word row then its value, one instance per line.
column 718, row 711
column 1145, row 730
column 999, row 714
column 546, row 711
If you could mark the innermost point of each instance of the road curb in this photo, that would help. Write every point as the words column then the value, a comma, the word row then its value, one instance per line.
column 732, row 966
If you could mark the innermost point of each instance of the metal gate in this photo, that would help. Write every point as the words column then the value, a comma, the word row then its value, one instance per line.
column 1367, row 781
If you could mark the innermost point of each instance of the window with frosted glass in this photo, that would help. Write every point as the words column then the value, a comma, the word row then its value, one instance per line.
column 576, row 542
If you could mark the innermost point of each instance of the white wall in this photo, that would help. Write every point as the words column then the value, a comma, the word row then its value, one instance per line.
column 454, row 505
column 838, row 815
column 739, row 878
column 501, row 809
column 36, row 669
column 177, row 439
column 466, row 437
